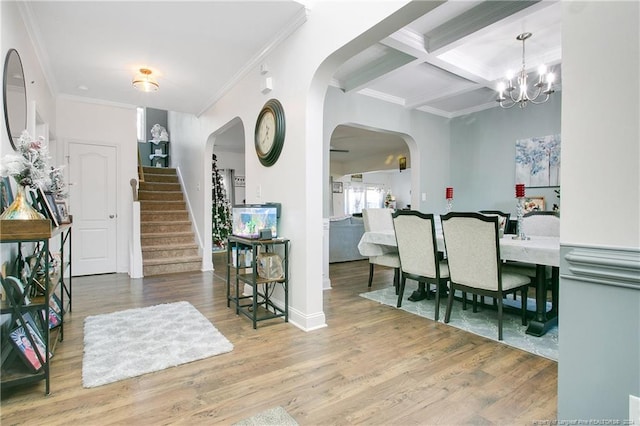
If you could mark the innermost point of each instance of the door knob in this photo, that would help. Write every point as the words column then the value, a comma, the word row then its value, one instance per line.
column 111, row 216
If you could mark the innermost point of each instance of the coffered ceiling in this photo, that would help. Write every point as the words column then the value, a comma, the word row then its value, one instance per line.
column 446, row 62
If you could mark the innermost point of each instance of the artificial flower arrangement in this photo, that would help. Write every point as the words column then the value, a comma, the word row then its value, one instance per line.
column 29, row 166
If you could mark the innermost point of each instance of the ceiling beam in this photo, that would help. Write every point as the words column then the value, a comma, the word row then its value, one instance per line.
column 382, row 66
column 471, row 21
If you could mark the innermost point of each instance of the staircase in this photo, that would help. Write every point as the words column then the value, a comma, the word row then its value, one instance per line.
column 167, row 240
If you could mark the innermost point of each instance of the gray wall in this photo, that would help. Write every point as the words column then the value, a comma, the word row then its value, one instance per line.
column 483, row 150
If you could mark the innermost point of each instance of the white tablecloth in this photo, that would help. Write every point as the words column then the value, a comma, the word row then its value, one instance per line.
column 537, row 250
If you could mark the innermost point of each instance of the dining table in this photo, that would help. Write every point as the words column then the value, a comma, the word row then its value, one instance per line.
column 540, row 251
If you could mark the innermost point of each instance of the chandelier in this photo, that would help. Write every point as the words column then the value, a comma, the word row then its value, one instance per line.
column 510, row 95
column 145, row 82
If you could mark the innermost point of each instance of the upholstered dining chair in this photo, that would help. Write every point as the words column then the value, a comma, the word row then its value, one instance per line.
column 378, row 219
column 504, row 218
column 418, row 251
column 541, row 223
column 473, row 254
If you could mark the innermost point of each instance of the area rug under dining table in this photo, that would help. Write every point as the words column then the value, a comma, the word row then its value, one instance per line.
column 483, row 323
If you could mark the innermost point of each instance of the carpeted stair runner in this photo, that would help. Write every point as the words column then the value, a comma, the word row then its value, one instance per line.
column 168, row 242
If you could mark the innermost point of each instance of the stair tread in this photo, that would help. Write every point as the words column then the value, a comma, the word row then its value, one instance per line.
column 162, row 222
column 179, row 246
column 171, row 260
column 166, row 234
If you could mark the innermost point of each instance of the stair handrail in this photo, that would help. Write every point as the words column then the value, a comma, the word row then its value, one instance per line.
column 134, row 189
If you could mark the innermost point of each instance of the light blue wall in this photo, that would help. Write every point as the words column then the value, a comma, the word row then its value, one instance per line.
column 482, row 154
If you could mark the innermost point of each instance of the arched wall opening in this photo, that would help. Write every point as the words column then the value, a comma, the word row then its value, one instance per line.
column 228, row 144
column 363, row 156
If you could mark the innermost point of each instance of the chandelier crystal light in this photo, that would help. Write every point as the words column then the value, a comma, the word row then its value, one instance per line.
column 145, row 82
column 510, row 95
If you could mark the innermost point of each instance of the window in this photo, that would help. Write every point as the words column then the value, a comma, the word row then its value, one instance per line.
column 140, row 123
column 360, row 196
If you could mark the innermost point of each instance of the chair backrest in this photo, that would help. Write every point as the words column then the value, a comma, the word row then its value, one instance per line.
column 473, row 250
column 415, row 236
column 504, row 217
column 377, row 220
column 541, row 223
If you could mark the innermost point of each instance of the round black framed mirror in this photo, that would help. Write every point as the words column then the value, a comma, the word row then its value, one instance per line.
column 15, row 96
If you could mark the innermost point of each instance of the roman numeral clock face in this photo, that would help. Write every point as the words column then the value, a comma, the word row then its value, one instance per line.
column 269, row 132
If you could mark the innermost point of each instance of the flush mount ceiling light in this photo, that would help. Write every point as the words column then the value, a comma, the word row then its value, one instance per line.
column 145, row 82
column 544, row 86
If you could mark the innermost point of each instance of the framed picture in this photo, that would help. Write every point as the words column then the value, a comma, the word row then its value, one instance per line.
column 49, row 208
column 6, row 194
column 51, row 201
column 533, row 204
column 337, row 187
column 402, row 163
column 538, row 161
column 54, row 318
column 63, row 211
column 55, row 311
column 19, row 339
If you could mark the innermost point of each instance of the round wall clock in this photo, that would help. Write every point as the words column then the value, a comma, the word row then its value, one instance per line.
column 269, row 133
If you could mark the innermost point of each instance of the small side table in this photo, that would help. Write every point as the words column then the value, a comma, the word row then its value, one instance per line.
column 259, row 306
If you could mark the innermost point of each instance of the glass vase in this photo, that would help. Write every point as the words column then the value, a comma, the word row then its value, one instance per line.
column 20, row 209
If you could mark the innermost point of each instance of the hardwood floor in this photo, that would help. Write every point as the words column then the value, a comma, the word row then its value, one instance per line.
column 372, row 365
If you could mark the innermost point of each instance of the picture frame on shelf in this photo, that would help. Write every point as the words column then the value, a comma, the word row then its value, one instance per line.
column 51, row 202
column 49, row 211
column 18, row 338
column 63, row 210
column 6, row 193
column 535, row 203
column 56, row 311
column 54, row 318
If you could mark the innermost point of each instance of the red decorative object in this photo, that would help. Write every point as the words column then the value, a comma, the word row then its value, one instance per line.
column 519, row 190
column 449, row 193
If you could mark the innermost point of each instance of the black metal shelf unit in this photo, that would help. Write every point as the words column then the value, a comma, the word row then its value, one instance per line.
column 259, row 306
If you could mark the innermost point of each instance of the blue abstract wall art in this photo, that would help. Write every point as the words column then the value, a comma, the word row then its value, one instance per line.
column 538, row 161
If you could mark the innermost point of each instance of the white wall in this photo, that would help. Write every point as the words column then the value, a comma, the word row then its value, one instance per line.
column 13, row 34
column 300, row 72
column 600, row 127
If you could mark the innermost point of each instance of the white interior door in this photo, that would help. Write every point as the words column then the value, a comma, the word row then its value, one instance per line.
column 92, row 174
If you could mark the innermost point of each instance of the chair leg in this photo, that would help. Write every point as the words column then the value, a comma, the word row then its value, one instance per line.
column 370, row 273
column 447, row 315
column 403, row 281
column 475, row 303
column 396, row 279
column 464, row 301
column 437, row 315
column 524, row 304
column 499, row 317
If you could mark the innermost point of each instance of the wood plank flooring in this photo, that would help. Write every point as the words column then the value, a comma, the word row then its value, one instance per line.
column 372, row 365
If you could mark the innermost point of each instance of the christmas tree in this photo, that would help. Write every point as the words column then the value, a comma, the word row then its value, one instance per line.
column 221, row 211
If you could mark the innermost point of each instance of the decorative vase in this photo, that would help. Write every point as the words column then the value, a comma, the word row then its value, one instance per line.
column 20, row 209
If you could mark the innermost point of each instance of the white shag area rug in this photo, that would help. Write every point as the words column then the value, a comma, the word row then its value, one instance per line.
column 276, row 416
column 133, row 342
